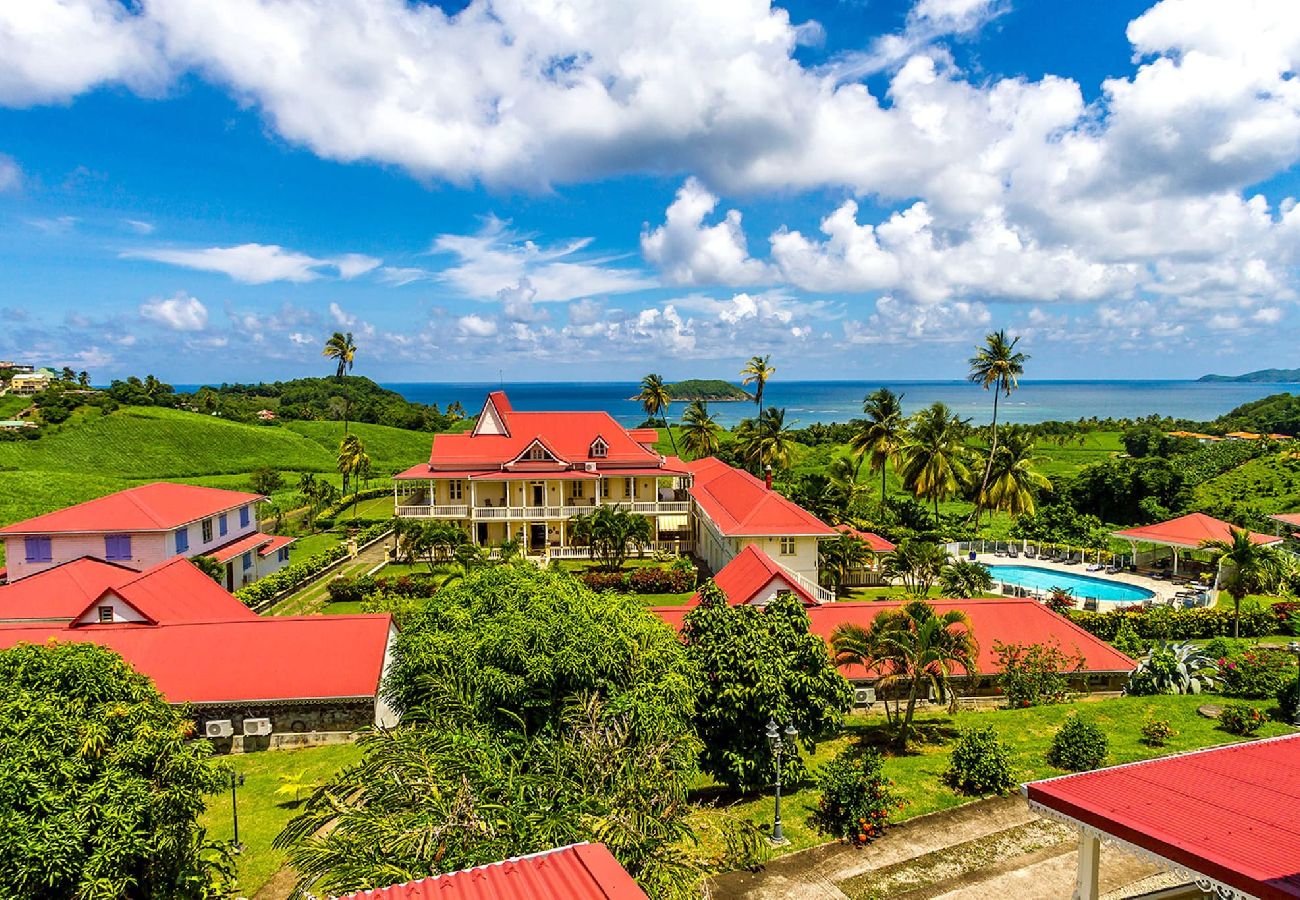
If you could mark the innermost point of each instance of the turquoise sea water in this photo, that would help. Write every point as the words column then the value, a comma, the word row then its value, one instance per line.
column 1080, row 586
column 806, row 402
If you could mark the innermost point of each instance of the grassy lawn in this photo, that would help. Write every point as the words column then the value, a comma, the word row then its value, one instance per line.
column 261, row 813
column 374, row 508
column 342, row 608
column 311, row 544
column 1027, row 733
column 666, row 599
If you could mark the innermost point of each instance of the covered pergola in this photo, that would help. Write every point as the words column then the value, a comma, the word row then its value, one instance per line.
column 1189, row 532
column 1223, row 820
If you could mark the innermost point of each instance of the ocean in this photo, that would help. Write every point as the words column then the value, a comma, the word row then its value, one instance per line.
column 808, row 402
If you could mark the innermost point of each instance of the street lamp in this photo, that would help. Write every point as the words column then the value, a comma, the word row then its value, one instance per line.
column 235, row 781
column 778, row 740
column 1294, row 647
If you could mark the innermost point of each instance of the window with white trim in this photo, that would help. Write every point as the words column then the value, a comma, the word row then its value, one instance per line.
column 207, row 531
column 537, row 451
column 456, row 490
column 576, row 490
column 599, row 448
column 787, row 546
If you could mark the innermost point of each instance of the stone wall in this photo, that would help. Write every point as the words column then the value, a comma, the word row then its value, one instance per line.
column 293, row 723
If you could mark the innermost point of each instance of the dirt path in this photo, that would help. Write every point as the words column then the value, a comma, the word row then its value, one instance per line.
column 312, row 598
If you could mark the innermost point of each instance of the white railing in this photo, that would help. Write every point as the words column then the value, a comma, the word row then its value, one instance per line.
column 809, row 585
column 677, row 547
column 433, row 512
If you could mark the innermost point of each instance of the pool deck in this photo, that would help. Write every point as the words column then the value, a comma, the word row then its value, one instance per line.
column 1164, row 590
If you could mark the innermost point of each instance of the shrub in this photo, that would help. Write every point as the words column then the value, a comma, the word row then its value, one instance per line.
column 1288, row 698
column 1288, row 617
column 1222, row 647
column 643, row 580
column 1033, row 674
column 356, row 589
column 1060, row 601
column 1176, row 624
column 1241, row 718
column 856, row 797
column 1172, row 669
column 1157, row 732
column 297, row 573
column 980, row 764
column 1127, row 640
column 1255, row 673
column 1078, row 745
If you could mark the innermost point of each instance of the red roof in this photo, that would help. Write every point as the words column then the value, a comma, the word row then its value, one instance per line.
column 1288, row 519
column 172, row 592
column 1009, row 621
column 577, row 872
column 644, row 435
column 870, row 538
column 61, row 592
column 277, row 541
column 239, row 546
column 252, row 659
column 741, row 505
column 150, row 507
column 1192, row 530
column 1228, row 813
column 751, row 575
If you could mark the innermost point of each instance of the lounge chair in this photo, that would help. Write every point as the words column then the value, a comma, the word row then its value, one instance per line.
column 1002, row 553
column 1013, row 553
column 1112, row 570
column 1095, row 567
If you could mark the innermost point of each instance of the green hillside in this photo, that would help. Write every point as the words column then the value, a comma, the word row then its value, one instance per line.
column 391, row 449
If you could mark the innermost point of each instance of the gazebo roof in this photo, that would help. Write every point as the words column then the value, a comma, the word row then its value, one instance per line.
column 1226, row 814
column 1192, row 530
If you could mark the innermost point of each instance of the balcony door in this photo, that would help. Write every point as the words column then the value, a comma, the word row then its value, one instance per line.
column 538, row 493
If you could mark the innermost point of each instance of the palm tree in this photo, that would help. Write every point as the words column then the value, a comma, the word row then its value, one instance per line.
column 341, row 348
column 700, row 431
column 916, row 563
column 965, row 579
column 997, row 365
column 611, row 533
column 655, row 400
column 1246, row 567
column 757, row 372
column 352, row 458
column 840, row 556
column 765, row 441
column 913, row 645
column 934, row 455
column 1012, row 479
column 83, row 379
column 881, row 439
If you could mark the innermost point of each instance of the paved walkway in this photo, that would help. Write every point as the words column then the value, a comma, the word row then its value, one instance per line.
column 1164, row 590
column 312, row 598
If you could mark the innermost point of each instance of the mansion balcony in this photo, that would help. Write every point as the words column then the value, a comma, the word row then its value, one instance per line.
column 490, row 513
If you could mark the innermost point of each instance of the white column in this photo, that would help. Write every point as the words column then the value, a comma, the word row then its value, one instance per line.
column 1085, row 887
column 1175, row 560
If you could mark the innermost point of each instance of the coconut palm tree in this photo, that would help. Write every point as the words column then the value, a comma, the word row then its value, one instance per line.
column 840, row 556
column 934, row 454
column 341, row 348
column 997, row 365
column 911, row 646
column 700, row 430
column 765, row 441
column 916, row 563
column 880, row 440
column 1012, row 478
column 352, row 459
column 1246, row 567
column 757, row 372
column 965, row 579
column 655, row 401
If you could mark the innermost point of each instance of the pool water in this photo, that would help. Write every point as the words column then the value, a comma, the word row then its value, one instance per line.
column 1081, row 586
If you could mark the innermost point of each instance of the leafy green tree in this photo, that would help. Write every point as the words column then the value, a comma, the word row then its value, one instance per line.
column 266, row 481
column 611, row 533
column 840, row 556
column 965, row 579
column 352, row 461
column 916, row 563
column 210, row 567
column 655, row 401
column 100, row 787
column 997, row 365
column 881, row 438
column 1246, row 567
column 758, row 663
column 757, row 372
column 83, row 379
column 699, row 430
column 934, row 456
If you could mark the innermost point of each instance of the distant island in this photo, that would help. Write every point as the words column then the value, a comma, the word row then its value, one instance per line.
column 1263, row 376
column 711, row 390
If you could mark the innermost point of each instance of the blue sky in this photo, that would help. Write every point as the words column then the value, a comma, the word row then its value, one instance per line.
column 861, row 189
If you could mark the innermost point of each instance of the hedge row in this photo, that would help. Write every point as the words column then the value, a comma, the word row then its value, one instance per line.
column 329, row 524
column 344, row 502
column 296, row 573
column 642, row 581
column 1176, row 624
column 349, row 589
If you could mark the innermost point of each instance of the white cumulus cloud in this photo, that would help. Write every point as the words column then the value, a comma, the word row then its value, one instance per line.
column 259, row 263
column 179, row 313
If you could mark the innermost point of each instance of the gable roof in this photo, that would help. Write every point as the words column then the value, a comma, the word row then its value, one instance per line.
column 1227, row 812
column 870, row 538
column 240, row 546
column 576, row 872
column 245, row 660
column 61, row 592
column 1009, row 621
column 161, row 506
column 742, row 506
column 1191, row 530
column 753, row 574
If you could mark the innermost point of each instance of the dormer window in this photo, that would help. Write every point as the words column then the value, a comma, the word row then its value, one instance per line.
column 599, row 449
column 537, row 452
column 106, row 614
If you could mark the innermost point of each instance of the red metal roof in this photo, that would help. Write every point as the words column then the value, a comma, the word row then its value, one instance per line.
column 240, row 546
column 61, row 592
column 750, row 575
column 256, row 658
column 870, row 538
column 277, row 541
column 1192, row 530
column 741, row 505
column 577, row 872
column 1009, row 621
column 1292, row 519
column 172, row 592
column 1228, row 813
column 161, row 506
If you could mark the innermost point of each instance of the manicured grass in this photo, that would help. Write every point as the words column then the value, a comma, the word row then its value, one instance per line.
column 11, row 405
column 374, row 508
column 311, row 544
column 1027, row 732
column 666, row 599
column 343, row 608
column 397, row 570
column 390, row 449
column 261, row 813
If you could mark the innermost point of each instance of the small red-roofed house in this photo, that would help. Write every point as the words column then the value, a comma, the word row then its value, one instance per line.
column 754, row 578
column 576, row 872
column 143, row 526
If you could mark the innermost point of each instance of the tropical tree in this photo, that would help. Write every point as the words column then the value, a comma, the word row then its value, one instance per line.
column 843, row 476
column 699, row 430
column 916, row 563
column 1246, row 567
column 211, row 567
column 765, row 441
column 965, row 579
column 996, row 365
column 352, row 458
column 83, row 379
column 840, row 556
column 341, row 348
column 756, row 372
column 655, row 401
column 1012, row 481
column 934, row 454
column 880, row 440
column 611, row 532
column 910, row 647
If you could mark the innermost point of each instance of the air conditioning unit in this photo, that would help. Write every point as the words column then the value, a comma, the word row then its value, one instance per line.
column 257, row 727
column 219, row 728
column 591, row 467
column 864, row 696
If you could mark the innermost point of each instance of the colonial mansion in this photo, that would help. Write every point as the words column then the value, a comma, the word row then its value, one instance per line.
column 524, row 475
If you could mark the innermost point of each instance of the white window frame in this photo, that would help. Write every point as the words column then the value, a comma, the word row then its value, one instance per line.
column 599, row 449
column 455, row 489
column 788, row 547
column 537, row 453
column 205, row 531
column 629, row 488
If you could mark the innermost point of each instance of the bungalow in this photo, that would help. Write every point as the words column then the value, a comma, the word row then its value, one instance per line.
column 26, row 384
column 248, row 680
column 143, row 526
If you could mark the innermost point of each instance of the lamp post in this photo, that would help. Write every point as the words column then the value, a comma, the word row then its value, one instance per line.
column 1294, row 647
column 235, row 781
column 778, row 739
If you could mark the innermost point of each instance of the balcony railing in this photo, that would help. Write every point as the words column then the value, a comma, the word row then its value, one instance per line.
column 655, row 547
column 433, row 512
column 498, row 513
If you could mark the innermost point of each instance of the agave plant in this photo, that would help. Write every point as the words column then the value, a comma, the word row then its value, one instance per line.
column 1173, row 669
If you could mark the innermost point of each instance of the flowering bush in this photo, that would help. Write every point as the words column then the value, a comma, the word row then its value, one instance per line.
column 1163, row 623
column 856, row 797
column 1256, row 673
column 643, row 580
column 1157, row 732
column 347, row 589
column 1059, row 601
column 1241, row 718
column 1078, row 745
column 1033, row 674
column 980, row 764
column 1288, row 616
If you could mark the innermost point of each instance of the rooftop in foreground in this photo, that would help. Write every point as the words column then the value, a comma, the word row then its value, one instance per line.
column 160, row 506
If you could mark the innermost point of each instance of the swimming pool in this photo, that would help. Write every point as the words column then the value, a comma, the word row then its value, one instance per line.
column 1081, row 586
